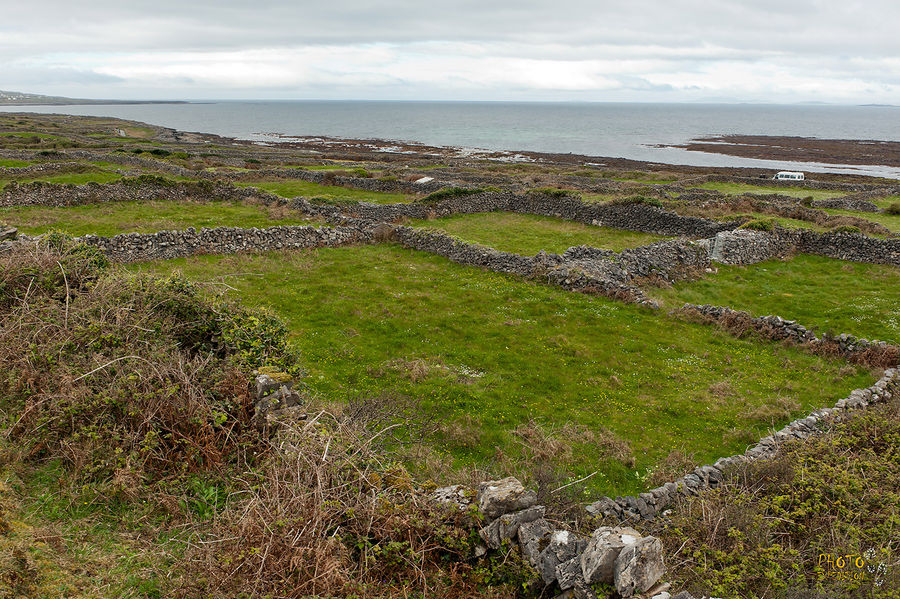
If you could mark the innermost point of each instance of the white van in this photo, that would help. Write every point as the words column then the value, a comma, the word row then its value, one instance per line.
column 789, row 176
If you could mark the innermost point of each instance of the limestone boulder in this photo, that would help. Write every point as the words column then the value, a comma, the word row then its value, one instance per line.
column 639, row 566
column 498, row 497
column 506, row 527
column 598, row 561
column 562, row 547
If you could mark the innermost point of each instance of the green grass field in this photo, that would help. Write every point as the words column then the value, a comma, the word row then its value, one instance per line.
column 486, row 353
column 891, row 221
column 295, row 187
column 71, row 178
column 145, row 217
column 832, row 295
column 740, row 188
column 8, row 163
column 528, row 234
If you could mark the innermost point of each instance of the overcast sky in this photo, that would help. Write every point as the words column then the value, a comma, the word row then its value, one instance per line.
column 590, row 50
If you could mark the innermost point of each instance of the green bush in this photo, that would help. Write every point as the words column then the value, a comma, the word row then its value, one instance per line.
column 555, row 192
column 845, row 229
column 638, row 200
column 893, row 208
column 450, row 192
column 767, row 225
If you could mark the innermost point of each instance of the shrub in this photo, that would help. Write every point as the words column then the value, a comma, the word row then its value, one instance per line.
column 128, row 378
column 554, row 192
column 845, row 229
column 637, row 200
column 767, row 225
column 893, row 208
column 450, row 192
column 148, row 180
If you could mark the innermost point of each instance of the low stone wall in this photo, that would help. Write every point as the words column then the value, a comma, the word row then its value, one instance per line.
column 777, row 328
column 848, row 246
column 60, row 195
column 329, row 178
column 164, row 245
column 746, row 246
column 596, row 276
column 632, row 216
column 847, row 203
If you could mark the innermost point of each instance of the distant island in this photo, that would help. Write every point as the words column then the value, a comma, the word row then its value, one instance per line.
column 8, row 98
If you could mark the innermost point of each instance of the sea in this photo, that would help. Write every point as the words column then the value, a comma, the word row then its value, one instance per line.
column 621, row 130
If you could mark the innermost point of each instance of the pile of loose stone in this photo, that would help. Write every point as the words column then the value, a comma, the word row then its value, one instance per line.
column 618, row 556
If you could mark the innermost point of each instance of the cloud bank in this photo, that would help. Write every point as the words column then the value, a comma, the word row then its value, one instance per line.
column 642, row 50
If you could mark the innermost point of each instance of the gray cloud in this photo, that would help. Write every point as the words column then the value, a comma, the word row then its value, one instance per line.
column 753, row 49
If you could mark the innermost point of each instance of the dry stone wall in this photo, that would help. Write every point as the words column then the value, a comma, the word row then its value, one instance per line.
column 164, row 245
column 329, row 178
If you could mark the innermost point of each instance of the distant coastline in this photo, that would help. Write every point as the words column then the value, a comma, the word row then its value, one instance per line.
column 8, row 98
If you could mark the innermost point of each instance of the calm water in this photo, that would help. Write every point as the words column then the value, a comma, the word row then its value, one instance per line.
column 615, row 130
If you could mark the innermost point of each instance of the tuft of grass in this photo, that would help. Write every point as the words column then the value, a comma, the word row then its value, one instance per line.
column 555, row 192
column 767, row 225
column 638, row 200
column 451, row 192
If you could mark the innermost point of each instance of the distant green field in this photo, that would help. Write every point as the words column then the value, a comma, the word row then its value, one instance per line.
column 528, row 234
column 787, row 223
column 740, row 188
column 71, row 178
column 7, row 163
column 295, row 187
column 832, row 295
column 484, row 354
column 109, row 219
column 891, row 221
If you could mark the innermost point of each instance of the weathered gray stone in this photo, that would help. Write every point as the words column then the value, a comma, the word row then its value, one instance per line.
column 457, row 495
column 498, row 497
column 534, row 538
column 568, row 573
column 639, row 566
column 563, row 546
column 507, row 526
column 605, row 506
column 599, row 558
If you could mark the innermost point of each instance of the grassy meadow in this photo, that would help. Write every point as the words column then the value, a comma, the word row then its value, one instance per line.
column 291, row 188
column 528, row 234
column 830, row 295
column 108, row 219
column 494, row 359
